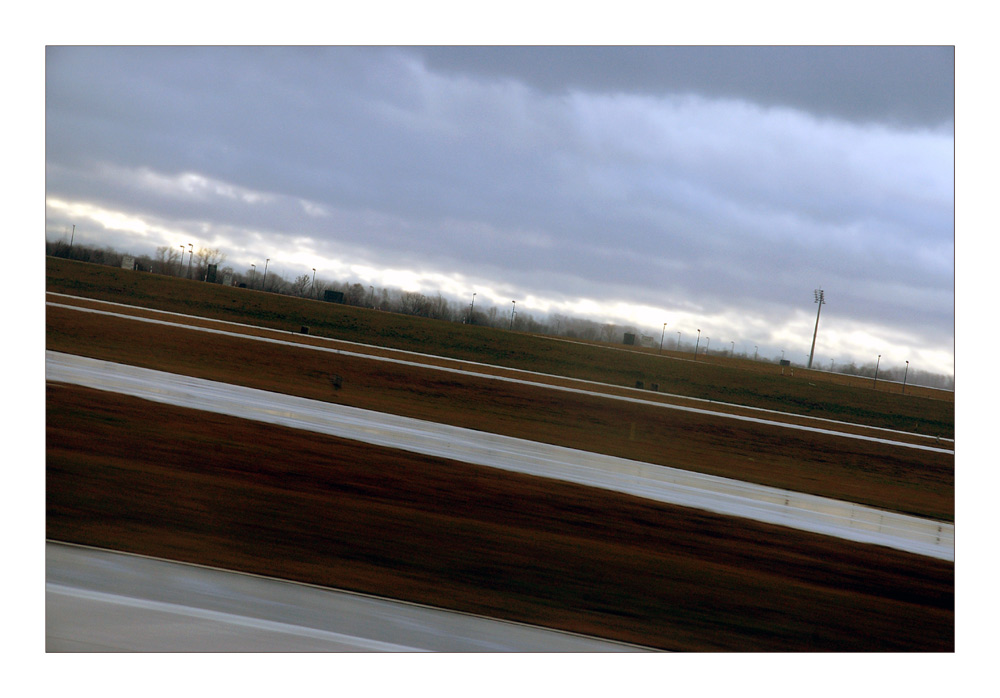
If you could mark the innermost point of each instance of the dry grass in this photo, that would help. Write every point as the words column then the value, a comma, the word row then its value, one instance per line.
column 907, row 480
column 131, row 475
column 758, row 384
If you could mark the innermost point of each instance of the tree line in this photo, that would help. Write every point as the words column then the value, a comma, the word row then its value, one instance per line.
column 191, row 263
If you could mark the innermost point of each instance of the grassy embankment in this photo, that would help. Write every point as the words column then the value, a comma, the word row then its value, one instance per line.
column 128, row 474
column 757, row 384
column 882, row 475
column 131, row 475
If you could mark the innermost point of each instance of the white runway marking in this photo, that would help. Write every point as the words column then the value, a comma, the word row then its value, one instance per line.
column 100, row 600
column 721, row 495
column 549, row 386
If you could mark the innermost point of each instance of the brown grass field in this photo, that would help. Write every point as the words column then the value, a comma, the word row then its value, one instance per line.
column 131, row 475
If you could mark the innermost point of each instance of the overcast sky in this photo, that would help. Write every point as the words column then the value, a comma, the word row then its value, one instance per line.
column 707, row 188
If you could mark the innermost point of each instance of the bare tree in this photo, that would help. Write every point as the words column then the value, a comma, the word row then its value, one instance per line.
column 205, row 257
column 355, row 294
column 167, row 259
column 301, row 285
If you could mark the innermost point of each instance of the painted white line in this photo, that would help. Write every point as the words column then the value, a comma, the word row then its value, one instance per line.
column 721, row 495
column 218, row 617
column 104, row 599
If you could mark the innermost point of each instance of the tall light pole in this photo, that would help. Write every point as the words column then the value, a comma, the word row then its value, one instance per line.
column 313, row 289
column 71, row 236
column 877, row 361
column 253, row 274
column 907, row 370
column 818, row 296
column 754, row 352
column 263, row 283
column 512, row 307
column 371, row 297
column 472, row 307
column 661, row 336
column 732, row 349
column 678, row 341
column 696, row 345
column 180, row 269
column 190, row 257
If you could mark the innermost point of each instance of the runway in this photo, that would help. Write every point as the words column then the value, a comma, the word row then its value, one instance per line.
column 104, row 601
column 720, row 495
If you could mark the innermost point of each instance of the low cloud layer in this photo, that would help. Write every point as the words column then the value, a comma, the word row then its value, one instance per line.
column 709, row 188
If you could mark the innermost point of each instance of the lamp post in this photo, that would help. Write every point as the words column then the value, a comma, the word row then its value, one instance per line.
column 732, row 348
column 180, row 269
column 472, row 307
column 313, row 289
column 678, row 341
column 263, row 283
column 253, row 274
column 371, row 297
column 696, row 345
column 905, row 371
column 754, row 352
column 512, row 308
column 818, row 295
column 661, row 336
column 190, row 257
column 877, row 361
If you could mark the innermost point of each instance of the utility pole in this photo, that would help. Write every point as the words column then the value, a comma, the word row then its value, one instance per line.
column 661, row 336
column 263, row 283
column 818, row 295
column 512, row 308
column 72, row 235
column 696, row 345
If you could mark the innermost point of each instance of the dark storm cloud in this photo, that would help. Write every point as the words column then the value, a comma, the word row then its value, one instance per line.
column 912, row 85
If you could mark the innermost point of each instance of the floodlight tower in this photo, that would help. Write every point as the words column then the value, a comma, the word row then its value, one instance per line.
column 818, row 295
